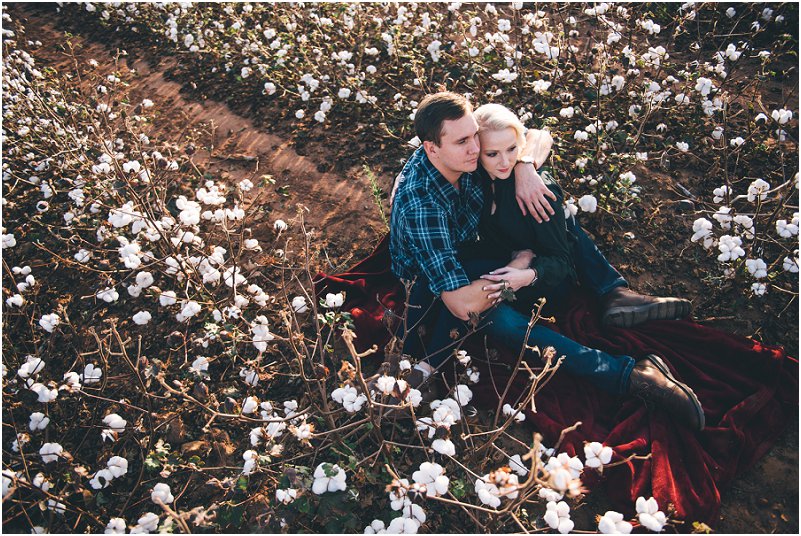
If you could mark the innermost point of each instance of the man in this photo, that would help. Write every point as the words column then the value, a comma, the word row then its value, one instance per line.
column 435, row 211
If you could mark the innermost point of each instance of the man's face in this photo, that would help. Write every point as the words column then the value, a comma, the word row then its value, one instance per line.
column 458, row 150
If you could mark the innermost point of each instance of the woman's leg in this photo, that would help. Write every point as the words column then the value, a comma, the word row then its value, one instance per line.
column 593, row 270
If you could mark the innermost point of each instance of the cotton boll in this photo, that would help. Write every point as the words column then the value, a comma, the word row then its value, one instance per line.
column 102, row 479
column 49, row 322
column 141, row 318
column 91, row 374
column 613, row 523
column 167, row 298
column 557, row 516
column 597, row 454
column 161, row 494
column 588, row 203
column 108, row 295
column 116, row 525
column 144, row 279
column 250, row 405
column 299, row 304
column 83, row 255
column 147, row 523
column 38, row 421
column 334, row 300
column 31, row 367
column 201, row 364
column 50, row 452
column 115, row 422
column 118, row 466
column 44, row 393
column 649, row 515
column 444, row 447
column 328, row 478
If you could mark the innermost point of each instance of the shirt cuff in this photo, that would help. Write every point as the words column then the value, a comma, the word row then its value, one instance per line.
column 449, row 281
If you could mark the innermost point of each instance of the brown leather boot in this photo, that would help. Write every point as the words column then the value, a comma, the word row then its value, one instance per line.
column 625, row 308
column 652, row 381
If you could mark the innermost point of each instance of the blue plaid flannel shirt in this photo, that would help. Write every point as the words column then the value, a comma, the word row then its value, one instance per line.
column 430, row 219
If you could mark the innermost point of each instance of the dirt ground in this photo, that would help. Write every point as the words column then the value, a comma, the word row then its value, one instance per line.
column 341, row 208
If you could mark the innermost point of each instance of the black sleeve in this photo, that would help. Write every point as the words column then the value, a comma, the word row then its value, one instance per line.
column 554, row 260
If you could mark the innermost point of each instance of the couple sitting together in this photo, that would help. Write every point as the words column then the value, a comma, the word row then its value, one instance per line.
column 475, row 216
column 473, row 221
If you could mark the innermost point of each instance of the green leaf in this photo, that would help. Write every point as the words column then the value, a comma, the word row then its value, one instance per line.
column 328, row 469
column 152, row 463
column 458, row 488
column 101, row 498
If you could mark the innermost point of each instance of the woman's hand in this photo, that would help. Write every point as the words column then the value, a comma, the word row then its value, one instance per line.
column 507, row 278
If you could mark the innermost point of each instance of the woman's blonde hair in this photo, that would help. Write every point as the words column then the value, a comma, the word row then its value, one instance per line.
column 498, row 117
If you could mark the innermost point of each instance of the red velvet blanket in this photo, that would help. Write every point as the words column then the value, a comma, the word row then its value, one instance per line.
column 749, row 391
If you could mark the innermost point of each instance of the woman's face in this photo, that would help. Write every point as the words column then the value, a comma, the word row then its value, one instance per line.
column 499, row 152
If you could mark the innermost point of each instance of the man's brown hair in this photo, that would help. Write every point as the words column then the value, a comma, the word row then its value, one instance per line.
column 436, row 108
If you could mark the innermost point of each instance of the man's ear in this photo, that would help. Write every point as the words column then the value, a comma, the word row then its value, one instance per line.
column 430, row 148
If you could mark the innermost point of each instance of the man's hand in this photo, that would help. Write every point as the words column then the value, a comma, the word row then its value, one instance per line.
column 530, row 191
column 532, row 194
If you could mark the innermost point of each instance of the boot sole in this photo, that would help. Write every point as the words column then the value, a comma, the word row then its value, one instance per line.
column 663, row 368
column 632, row 315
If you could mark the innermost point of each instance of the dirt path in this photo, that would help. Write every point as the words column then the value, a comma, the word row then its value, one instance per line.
column 232, row 148
column 764, row 499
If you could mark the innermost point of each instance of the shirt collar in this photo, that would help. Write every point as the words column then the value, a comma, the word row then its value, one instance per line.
column 440, row 184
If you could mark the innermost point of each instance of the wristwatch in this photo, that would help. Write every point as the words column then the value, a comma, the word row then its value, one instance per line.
column 526, row 160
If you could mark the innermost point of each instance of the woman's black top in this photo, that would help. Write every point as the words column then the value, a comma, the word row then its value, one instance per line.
column 506, row 230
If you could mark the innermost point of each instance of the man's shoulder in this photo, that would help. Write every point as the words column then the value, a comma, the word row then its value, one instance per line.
column 413, row 183
column 416, row 170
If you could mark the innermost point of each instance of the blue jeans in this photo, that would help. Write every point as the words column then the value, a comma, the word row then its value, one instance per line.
column 608, row 372
column 593, row 270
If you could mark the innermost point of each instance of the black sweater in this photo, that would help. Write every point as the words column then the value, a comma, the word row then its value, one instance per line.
column 507, row 230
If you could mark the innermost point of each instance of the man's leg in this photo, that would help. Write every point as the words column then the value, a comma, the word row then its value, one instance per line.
column 649, row 379
column 423, row 306
column 608, row 372
column 620, row 306
column 440, row 323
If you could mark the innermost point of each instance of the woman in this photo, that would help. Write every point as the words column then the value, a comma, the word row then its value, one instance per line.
column 504, row 229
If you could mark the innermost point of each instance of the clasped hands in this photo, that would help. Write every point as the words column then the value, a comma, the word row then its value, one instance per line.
column 513, row 276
